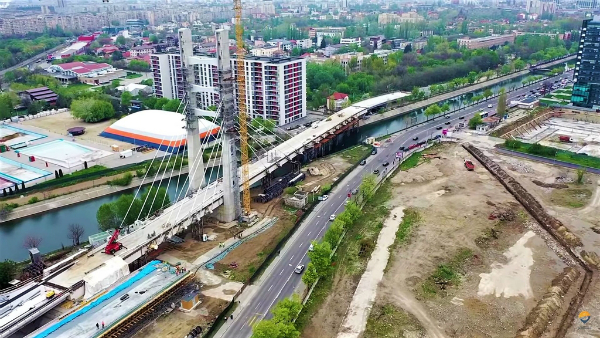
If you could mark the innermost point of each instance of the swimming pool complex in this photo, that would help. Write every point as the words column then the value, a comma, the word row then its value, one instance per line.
column 64, row 153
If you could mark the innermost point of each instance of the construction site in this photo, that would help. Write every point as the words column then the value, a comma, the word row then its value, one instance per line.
column 508, row 248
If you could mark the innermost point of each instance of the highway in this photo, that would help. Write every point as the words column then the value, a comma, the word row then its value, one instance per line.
column 279, row 280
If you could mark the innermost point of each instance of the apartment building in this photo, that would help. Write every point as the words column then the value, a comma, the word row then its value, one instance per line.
column 389, row 18
column 486, row 42
column 541, row 7
column 167, row 75
column 139, row 51
column 586, row 86
column 268, row 51
column 275, row 87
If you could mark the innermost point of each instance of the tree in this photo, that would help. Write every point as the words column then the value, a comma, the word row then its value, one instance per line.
column 475, row 121
column 115, row 83
column 323, row 43
column 267, row 125
column 433, row 110
column 75, row 233
column 472, row 77
column 335, row 231
column 120, row 40
column 501, row 108
column 310, row 275
column 580, row 174
column 153, row 38
column 353, row 210
column 445, row 107
column 367, row 187
column 7, row 105
column 287, row 309
column 320, row 256
column 160, row 103
column 91, row 110
column 296, row 51
column 35, row 107
column 172, row 105
column 107, row 218
column 117, row 55
column 32, row 242
column 139, row 66
column 154, row 199
column 8, row 269
column 487, row 93
column 126, row 98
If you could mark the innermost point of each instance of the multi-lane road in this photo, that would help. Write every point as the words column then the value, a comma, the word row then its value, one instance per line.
column 279, row 280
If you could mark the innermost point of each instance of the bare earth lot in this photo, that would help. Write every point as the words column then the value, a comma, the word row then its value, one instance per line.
column 474, row 266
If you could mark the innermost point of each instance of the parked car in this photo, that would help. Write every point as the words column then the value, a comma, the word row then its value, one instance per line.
column 323, row 198
column 299, row 268
column 311, row 247
column 385, row 164
column 363, row 162
column 355, row 191
column 332, row 217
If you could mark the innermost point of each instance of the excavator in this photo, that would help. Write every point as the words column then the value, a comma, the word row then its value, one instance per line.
column 113, row 246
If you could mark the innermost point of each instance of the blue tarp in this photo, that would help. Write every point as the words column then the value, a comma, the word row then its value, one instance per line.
column 149, row 268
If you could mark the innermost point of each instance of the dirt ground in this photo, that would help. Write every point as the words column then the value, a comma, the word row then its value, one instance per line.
column 516, row 264
column 578, row 212
column 249, row 255
column 59, row 123
column 179, row 324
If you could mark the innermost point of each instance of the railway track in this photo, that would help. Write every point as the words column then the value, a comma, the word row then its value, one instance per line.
column 136, row 320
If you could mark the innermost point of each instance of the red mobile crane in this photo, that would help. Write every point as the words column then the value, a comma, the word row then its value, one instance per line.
column 113, row 246
column 469, row 165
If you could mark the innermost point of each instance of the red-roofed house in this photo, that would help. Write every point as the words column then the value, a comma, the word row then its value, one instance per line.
column 86, row 72
column 106, row 50
column 337, row 101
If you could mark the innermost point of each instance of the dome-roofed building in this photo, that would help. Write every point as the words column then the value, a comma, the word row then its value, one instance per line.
column 157, row 129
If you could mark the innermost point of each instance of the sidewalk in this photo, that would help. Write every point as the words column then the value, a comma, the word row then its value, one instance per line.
column 443, row 97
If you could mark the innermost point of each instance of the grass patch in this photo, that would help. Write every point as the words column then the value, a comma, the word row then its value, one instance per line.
column 133, row 76
column 559, row 154
column 446, row 275
column 410, row 219
column 390, row 321
column 571, row 197
column 32, row 200
column 355, row 154
column 361, row 235
column 123, row 181
column 411, row 162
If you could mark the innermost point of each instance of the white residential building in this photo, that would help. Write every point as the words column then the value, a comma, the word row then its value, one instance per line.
column 351, row 41
column 267, row 51
column 304, row 43
column 167, row 75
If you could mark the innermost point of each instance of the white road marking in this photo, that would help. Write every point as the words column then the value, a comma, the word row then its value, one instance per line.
column 292, row 257
column 281, row 271
column 270, row 287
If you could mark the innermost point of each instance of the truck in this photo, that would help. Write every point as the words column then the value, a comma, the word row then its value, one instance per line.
column 469, row 165
column 126, row 153
column 565, row 138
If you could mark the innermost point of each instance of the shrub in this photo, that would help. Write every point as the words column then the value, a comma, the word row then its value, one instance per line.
column 513, row 144
column 538, row 149
column 326, row 188
column 140, row 172
column 32, row 200
column 290, row 190
column 122, row 181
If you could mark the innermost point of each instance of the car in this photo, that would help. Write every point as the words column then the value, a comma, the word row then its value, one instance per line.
column 448, row 122
column 50, row 294
column 376, row 172
column 355, row 191
column 299, row 268
column 385, row 164
column 415, row 138
column 363, row 162
column 332, row 217
column 324, row 198
column 439, row 128
column 461, row 118
column 447, row 116
column 490, row 105
column 311, row 247
column 374, row 151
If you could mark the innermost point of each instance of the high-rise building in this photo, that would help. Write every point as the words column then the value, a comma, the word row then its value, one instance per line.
column 586, row 86
column 61, row 3
column 541, row 7
column 587, row 4
column 275, row 86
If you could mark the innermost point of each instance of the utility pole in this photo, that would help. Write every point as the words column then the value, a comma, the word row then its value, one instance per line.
column 196, row 173
column 231, row 208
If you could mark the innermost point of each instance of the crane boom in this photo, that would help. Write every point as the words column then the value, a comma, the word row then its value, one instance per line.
column 241, row 99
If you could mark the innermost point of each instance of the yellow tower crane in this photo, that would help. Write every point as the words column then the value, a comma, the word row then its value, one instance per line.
column 241, row 99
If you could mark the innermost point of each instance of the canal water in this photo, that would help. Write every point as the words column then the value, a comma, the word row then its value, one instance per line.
column 52, row 226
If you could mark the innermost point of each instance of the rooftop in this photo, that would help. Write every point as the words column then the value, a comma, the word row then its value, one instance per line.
column 273, row 59
column 83, row 67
